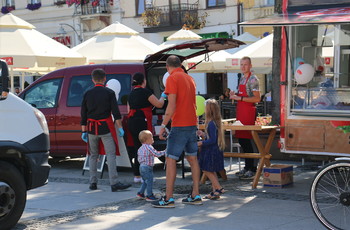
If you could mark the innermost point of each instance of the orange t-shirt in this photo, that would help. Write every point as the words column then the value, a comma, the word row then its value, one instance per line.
column 184, row 87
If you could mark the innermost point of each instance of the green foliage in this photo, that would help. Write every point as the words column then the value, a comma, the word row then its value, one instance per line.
column 345, row 128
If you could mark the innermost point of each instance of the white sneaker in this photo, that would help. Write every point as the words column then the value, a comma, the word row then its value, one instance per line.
column 248, row 175
column 137, row 179
column 241, row 173
column 154, row 180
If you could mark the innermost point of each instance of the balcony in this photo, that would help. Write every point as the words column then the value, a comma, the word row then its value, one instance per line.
column 166, row 18
column 94, row 8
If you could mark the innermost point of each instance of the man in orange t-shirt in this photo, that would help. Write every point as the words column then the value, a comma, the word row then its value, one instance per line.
column 181, row 109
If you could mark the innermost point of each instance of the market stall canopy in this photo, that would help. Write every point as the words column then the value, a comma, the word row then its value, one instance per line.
column 213, row 62
column 304, row 16
column 247, row 38
column 210, row 62
column 116, row 43
column 179, row 37
column 260, row 53
column 25, row 48
column 192, row 49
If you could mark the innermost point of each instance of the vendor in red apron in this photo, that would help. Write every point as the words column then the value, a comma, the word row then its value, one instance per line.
column 247, row 96
column 98, row 128
column 141, row 102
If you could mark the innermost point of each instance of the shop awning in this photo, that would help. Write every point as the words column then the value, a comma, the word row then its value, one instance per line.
column 305, row 17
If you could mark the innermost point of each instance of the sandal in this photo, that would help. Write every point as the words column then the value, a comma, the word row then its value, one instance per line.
column 209, row 196
column 215, row 195
column 221, row 190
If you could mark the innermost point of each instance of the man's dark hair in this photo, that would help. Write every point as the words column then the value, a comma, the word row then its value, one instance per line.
column 98, row 75
column 173, row 61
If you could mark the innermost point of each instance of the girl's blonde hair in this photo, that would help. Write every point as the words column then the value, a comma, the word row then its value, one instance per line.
column 212, row 113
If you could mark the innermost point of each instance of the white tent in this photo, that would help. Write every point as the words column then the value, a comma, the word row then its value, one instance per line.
column 247, row 38
column 179, row 37
column 25, row 49
column 260, row 53
column 116, row 43
column 216, row 61
column 212, row 63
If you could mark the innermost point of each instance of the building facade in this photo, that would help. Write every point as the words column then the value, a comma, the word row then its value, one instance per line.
column 73, row 21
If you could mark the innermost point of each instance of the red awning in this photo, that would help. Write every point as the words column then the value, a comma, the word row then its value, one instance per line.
column 307, row 17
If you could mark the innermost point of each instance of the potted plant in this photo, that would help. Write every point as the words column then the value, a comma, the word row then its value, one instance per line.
column 151, row 17
column 195, row 22
column 7, row 9
column 33, row 6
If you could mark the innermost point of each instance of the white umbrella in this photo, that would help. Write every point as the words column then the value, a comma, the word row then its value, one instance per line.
column 212, row 63
column 247, row 38
column 260, row 53
column 179, row 37
column 116, row 43
column 26, row 49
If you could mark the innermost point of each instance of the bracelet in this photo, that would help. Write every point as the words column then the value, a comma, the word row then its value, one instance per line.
column 242, row 98
column 163, row 126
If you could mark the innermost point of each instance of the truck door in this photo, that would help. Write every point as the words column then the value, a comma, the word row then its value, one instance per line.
column 44, row 96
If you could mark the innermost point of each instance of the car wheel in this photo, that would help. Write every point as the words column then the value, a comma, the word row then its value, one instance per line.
column 13, row 195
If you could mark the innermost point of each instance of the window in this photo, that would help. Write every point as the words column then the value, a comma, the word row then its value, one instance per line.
column 323, row 88
column 9, row 2
column 44, row 94
column 269, row 2
column 215, row 3
column 34, row 1
column 142, row 5
column 80, row 84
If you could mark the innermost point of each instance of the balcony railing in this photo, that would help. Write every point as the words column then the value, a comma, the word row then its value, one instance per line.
column 172, row 16
column 89, row 8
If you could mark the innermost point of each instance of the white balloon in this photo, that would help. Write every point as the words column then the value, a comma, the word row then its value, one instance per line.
column 165, row 76
column 304, row 73
column 114, row 85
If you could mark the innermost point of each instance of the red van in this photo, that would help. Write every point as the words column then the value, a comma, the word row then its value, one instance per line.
column 59, row 94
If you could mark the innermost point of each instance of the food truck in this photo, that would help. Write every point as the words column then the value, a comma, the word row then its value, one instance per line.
column 314, row 76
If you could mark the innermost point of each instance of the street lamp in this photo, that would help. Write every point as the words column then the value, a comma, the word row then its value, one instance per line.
column 62, row 32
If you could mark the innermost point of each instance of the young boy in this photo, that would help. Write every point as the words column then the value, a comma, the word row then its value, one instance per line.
column 146, row 154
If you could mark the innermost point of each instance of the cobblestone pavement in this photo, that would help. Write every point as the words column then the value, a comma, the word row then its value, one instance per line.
column 70, row 171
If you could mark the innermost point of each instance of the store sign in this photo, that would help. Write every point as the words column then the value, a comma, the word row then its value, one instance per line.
column 311, row 2
column 8, row 60
column 324, row 12
column 327, row 60
column 191, row 64
column 65, row 40
column 235, row 62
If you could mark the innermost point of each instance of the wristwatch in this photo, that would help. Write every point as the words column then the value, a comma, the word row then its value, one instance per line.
column 163, row 126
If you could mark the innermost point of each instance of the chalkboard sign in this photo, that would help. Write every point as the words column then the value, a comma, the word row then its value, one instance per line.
column 100, row 162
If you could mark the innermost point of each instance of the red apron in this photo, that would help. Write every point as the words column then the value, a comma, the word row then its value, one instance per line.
column 110, row 124
column 245, row 111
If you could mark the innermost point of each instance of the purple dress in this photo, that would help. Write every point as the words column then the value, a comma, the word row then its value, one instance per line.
column 211, row 158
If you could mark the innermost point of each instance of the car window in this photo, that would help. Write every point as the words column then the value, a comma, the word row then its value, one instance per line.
column 80, row 84
column 125, row 86
column 44, row 94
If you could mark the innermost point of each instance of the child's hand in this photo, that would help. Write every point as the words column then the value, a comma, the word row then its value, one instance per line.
column 199, row 143
column 200, row 133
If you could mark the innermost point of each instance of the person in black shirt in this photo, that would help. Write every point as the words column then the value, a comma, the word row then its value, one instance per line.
column 141, row 101
column 98, row 128
column 4, row 73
